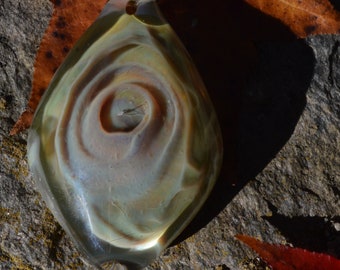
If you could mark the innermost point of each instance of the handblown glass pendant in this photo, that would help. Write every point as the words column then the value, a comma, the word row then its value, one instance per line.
column 125, row 145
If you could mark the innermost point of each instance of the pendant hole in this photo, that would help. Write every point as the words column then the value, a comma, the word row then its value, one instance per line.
column 131, row 7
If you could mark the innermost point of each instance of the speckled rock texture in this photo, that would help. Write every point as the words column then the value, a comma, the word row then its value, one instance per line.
column 283, row 185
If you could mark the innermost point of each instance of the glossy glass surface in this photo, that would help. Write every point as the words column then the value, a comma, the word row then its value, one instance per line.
column 125, row 145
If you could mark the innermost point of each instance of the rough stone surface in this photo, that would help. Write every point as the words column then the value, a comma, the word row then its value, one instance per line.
column 286, row 186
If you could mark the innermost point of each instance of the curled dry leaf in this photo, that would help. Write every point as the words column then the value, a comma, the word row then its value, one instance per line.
column 69, row 21
column 281, row 257
column 304, row 17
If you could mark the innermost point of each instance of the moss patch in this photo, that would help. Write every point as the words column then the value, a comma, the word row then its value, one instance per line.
column 14, row 158
column 7, row 216
column 2, row 104
column 14, row 262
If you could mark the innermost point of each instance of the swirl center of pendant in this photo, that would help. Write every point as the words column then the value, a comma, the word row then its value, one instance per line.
column 122, row 112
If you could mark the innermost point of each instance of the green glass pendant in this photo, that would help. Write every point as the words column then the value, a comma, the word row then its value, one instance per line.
column 125, row 145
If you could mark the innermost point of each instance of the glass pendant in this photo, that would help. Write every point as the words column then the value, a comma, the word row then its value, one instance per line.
column 125, row 145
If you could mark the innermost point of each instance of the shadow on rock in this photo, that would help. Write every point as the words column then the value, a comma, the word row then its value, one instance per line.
column 258, row 89
column 312, row 233
column 272, row 103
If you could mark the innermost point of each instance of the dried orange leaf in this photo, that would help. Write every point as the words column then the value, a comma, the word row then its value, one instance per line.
column 69, row 21
column 304, row 17
column 281, row 257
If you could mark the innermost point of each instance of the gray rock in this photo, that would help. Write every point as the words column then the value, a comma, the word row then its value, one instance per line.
column 286, row 182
